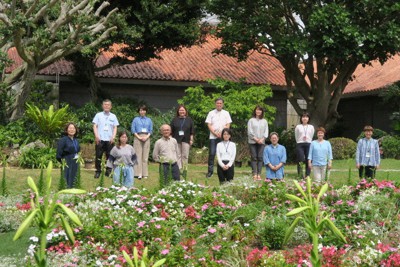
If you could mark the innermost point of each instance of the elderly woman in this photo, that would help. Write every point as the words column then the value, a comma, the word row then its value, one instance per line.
column 368, row 157
column 320, row 156
column 257, row 132
column 68, row 149
column 182, row 128
column 122, row 158
column 304, row 134
column 274, row 158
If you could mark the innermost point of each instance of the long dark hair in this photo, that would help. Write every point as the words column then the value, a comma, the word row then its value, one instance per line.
column 262, row 111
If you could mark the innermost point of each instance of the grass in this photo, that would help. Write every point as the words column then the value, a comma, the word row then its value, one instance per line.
column 16, row 177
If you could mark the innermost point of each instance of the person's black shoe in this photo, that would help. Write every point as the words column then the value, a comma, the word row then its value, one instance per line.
column 96, row 175
column 209, row 174
column 108, row 173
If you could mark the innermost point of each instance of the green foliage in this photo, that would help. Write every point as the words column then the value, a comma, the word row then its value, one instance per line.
column 143, row 261
column 272, row 231
column 39, row 95
column 36, row 157
column 376, row 134
column 50, row 121
column 240, row 100
column 391, row 146
column 62, row 183
column 288, row 140
column 314, row 219
column 20, row 132
column 48, row 213
column 343, row 148
column 41, row 182
column 4, row 188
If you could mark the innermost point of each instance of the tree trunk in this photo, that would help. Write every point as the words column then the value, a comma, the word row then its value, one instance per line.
column 18, row 109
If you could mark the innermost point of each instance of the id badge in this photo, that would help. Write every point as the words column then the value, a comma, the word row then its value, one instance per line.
column 144, row 130
column 76, row 156
column 181, row 133
column 368, row 155
column 107, row 128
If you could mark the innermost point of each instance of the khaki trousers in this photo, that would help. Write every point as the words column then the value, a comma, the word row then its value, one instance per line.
column 142, row 150
column 183, row 158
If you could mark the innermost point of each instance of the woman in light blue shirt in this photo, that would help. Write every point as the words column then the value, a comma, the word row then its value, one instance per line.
column 142, row 128
column 274, row 158
column 320, row 156
column 368, row 157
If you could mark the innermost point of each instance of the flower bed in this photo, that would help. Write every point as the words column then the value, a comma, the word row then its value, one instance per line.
column 240, row 224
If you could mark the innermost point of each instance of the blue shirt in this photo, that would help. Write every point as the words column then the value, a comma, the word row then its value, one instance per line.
column 142, row 125
column 320, row 153
column 367, row 153
column 105, row 125
column 274, row 155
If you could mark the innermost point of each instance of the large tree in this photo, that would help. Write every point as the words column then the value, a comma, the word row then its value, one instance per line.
column 145, row 28
column 43, row 32
column 319, row 43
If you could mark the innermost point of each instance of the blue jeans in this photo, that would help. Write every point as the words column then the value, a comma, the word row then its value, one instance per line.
column 211, row 153
column 123, row 175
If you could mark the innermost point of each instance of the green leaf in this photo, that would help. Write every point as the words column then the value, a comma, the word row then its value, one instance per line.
column 159, row 263
column 68, row 229
column 70, row 214
column 135, row 256
column 32, row 185
column 290, row 231
column 72, row 191
column 297, row 210
column 335, row 230
column 127, row 258
column 322, row 191
column 25, row 224
column 300, row 189
column 295, row 198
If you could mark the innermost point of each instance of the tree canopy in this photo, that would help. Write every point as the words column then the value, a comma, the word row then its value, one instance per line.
column 319, row 43
column 43, row 32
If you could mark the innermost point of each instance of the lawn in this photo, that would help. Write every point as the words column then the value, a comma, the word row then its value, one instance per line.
column 16, row 177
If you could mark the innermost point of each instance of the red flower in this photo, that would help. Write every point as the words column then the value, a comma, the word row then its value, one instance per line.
column 164, row 214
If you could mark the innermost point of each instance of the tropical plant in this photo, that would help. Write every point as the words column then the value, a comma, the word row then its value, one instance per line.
column 4, row 188
column 48, row 213
column 314, row 219
column 49, row 121
column 144, row 261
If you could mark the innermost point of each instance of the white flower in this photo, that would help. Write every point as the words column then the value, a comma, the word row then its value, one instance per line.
column 34, row 239
column 246, row 225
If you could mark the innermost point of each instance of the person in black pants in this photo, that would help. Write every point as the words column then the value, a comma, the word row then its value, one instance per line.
column 105, row 126
column 304, row 134
column 226, row 153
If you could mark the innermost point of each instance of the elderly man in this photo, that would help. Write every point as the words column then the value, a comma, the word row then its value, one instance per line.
column 166, row 152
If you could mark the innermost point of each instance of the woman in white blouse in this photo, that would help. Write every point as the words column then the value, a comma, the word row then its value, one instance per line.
column 257, row 132
column 226, row 154
column 304, row 134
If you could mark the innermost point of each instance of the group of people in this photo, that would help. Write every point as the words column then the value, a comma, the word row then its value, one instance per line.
column 172, row 149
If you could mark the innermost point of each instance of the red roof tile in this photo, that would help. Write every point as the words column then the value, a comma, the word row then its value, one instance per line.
column 195, row 64
column 375, row 77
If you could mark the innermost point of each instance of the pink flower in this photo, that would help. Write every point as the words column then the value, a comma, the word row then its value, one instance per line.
column 204, row 207
column 216, row 248
column 141, row 224
column 165, row 251
column 212, row 230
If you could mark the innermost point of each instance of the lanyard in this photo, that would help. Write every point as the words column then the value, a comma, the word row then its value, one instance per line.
column 182, row 123
column 305, row 130
column 143, row 122
column 226, row 147
column 368, row 145
column 75, row 144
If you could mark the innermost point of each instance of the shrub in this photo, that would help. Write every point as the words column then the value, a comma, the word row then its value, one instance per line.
column 35, row 157
column 19, row 132
column 288, row 140
column 391, row 146
column 343, row 148
column 272, row 231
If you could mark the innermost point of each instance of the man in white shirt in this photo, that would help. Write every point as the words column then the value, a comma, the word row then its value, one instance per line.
column 217, row 119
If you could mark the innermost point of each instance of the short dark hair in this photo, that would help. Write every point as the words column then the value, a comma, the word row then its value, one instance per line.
column 144, row 107
column 218, row 99
column 107, row 100
column 260, row 108
column 66, row 128
column 179, row 107
column 305, row 114
column 226, row 130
